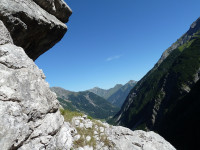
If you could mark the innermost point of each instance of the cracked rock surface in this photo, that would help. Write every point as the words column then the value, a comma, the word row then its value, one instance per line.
column 29, row 114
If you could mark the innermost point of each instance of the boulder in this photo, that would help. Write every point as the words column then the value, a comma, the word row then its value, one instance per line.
column 31, row 27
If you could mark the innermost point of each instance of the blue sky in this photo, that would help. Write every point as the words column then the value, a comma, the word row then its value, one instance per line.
column 114, row 41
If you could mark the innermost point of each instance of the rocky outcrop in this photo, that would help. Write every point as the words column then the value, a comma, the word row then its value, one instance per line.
column 93, row 134
column 33, row 28
column 29, row 112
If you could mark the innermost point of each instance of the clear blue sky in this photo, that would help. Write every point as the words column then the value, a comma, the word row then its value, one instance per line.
column 114, row 41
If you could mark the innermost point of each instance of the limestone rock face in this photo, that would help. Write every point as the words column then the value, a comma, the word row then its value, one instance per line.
column 29, row 114
column 33, row 28
column 4, row 35
column 125, row 139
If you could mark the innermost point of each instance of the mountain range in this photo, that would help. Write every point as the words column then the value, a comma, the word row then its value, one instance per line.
column 86, row 102
column 105, row 93
column 117, row 94
column 167, row 99
column 93, row 102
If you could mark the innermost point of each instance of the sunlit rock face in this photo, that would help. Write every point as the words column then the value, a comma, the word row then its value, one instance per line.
column 29, row 112
column 31, row 26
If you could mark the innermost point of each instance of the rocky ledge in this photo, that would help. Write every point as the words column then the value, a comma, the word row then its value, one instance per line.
column 30, row 118
column 91, row 134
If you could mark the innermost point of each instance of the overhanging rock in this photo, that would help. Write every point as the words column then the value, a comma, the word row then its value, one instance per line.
column 33, row 28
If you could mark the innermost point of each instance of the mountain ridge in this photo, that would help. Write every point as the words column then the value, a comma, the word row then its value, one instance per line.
column 105, row 93
column 86, row 102
column 117, row 94
column 164, row 86
column 120, row 95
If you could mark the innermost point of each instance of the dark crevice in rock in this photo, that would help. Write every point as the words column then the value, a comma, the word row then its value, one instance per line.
column 11, row 66
column 11, row 100
column 21, row 143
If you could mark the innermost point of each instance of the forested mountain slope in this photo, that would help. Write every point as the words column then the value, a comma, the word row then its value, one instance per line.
column 86, row 102
column 167, row 90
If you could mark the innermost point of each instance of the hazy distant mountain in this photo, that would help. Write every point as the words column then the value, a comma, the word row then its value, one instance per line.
column 167, row 98
column 117, row 94
column 106, row 93
column 120, row 95
column 87, row 102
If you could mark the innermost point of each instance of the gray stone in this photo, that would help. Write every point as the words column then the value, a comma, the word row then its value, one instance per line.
column 87, row 147
column 84, row 116
column 124, row 139
column 30, row 26
column 29, row 111
column 81, row 125
column 88, row 124
column 4, row 35
column 77, row 137
column 95, row 133
column 88, row 138
column 77, row 122
column 101, row 129
column 58, row 8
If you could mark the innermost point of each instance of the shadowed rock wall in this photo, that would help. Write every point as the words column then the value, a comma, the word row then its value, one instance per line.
column 32, row 27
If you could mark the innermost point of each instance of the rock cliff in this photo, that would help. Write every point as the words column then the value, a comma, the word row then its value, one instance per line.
column 29, row 112
column 30, row 118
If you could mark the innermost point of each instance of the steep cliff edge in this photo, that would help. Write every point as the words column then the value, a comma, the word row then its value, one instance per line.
column 30, row 118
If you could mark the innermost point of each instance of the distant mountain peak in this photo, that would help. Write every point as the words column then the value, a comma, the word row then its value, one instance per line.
column 132, row 81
